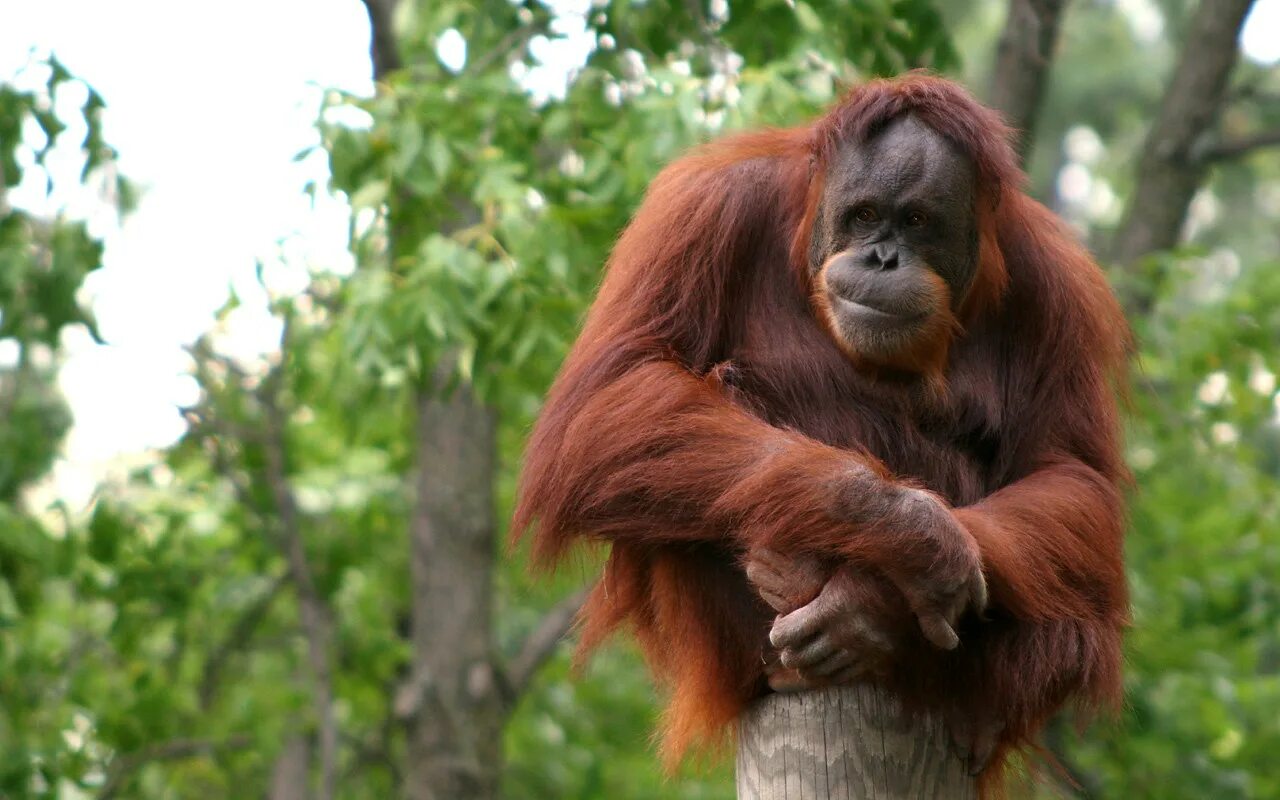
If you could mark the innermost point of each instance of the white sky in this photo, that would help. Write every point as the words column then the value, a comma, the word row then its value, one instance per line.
column 207, row 104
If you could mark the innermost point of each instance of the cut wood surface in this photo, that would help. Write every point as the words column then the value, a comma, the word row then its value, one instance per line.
column 845, row 743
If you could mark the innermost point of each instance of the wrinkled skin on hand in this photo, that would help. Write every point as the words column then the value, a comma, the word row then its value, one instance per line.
column 837, row 625
column 786, row 582
column 843, row 633
column 941, row 574
column 914, row 539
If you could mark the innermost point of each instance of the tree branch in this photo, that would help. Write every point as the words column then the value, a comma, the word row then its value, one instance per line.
column 1169, row 173
column 290, row 770
column 541, row 643
column 513, row 41
column 383, row 51
column 237, row 638
column 209, row 427
column 452, row 701
column 312, row 609
column 123, row 766
column 1023, row 58
column 1243, row 146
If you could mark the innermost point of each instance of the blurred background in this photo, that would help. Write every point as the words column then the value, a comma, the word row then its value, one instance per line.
column 282, row 284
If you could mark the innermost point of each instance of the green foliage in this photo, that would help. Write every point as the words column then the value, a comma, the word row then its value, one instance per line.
column 481, row 215
column 42, row 264
column 35, row 420
column 877, row 38
column 1204, row 651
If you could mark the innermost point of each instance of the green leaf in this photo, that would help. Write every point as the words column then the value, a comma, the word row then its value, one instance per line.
column 371, row 195
column 438, row 154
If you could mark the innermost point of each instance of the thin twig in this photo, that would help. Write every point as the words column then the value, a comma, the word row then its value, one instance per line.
column 1235, row 148
column 237, row 639
column 313, row 611
column 124, row 766
column 512, row 42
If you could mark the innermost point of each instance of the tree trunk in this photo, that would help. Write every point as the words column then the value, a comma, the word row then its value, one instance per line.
column 383, row 51
column 454, row 707
column 1023, row 58
column 289, row 775
column 1171, row 169
column 845, row 743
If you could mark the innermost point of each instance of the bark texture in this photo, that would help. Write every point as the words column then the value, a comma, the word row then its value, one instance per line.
column 382, row 37
column 455, row 706
column 845, row 743
column 455, row 701
column 1172, row 166
column 1023, row 58
column 289, row 774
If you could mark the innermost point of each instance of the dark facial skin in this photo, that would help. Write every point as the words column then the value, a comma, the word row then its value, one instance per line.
column 895, row 242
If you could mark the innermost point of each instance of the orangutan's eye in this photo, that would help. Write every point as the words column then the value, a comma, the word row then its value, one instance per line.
column 866, row 215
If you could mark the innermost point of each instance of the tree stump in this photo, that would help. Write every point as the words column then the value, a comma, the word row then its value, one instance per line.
column 845, row 743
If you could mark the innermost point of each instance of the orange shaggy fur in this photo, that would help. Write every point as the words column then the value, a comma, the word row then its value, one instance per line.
column 705, row 410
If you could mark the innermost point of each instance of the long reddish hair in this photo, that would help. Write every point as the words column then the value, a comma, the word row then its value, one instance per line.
column 704, row 410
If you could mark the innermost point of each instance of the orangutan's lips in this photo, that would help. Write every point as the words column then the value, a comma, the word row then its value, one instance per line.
column 881, row 316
